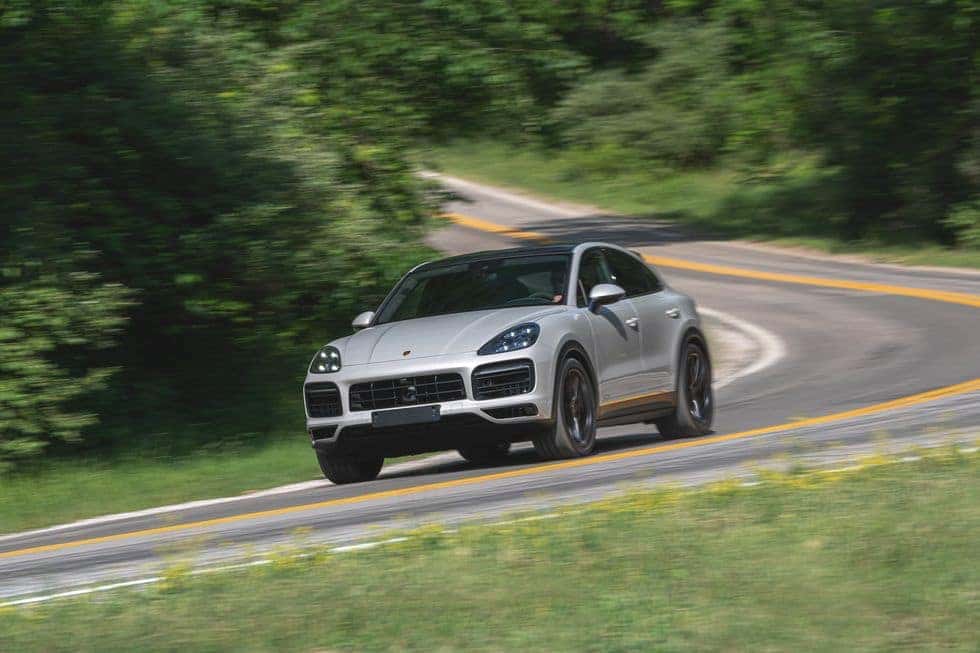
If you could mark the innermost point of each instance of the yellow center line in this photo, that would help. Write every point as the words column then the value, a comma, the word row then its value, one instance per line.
column 494, row 228
column 965, row 299
column 483, row 225
column 902, row 402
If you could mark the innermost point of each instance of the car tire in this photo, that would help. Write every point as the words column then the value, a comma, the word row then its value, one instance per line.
column 485, row 454
column 573, row 433
column 695, row 398
column 341, row 469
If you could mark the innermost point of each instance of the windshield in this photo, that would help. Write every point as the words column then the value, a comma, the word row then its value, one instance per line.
column 477, row 286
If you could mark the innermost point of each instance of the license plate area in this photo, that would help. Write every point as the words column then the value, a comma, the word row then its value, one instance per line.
column 403, row 416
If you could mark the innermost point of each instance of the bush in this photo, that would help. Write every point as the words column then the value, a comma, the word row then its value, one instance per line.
column 677, row 110
column 162, row 192
column 51, row 316
column 964, row 220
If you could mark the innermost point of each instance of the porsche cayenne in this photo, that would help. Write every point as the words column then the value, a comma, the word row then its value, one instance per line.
column 540, row 344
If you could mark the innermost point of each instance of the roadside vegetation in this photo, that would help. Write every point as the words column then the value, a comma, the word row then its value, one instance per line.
column 195, row 194
column 59, row 491
column 882, row 558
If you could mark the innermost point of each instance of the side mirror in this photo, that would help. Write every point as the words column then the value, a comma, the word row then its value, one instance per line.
column 363, row 320
column 603, row 294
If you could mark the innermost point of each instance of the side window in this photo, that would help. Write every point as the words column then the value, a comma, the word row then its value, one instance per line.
column 631, row 274
column 591, row 271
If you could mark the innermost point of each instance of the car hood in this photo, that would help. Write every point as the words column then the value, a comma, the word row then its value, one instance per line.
column 434, row 336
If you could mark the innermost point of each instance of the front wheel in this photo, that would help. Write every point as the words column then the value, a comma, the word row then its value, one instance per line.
column 574, row 431
column 341, row 469
column 695, row 399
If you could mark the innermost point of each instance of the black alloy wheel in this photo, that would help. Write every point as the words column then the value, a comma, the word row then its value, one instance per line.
column 573, row 432
column 700, row 400
column 578, row 409
column 695, row 409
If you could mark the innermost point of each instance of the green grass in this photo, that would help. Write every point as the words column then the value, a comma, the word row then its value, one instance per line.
column 62, row 491
column 65, row 490
column 880, row 559
column 571, row 178
column 792, row 205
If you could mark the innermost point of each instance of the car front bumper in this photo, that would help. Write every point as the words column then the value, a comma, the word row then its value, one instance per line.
column 462, row 421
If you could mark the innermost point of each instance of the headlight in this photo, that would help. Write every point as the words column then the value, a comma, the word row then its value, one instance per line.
column 520, row 337
column 326, row 360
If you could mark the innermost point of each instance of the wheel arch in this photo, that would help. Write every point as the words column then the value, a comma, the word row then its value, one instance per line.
column 690, row 332
column 573, row 348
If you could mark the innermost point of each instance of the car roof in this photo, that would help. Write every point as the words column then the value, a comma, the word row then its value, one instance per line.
column 495, row 254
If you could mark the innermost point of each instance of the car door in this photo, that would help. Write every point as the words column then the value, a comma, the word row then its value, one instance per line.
column 617, row 344
column 658, row 318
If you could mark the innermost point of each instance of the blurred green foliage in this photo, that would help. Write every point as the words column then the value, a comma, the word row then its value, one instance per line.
column 676, row 110
column 194, row 193
column 885, row 92
column 166, row 190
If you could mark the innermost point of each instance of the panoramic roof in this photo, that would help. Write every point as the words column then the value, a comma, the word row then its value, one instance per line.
column 501, row 253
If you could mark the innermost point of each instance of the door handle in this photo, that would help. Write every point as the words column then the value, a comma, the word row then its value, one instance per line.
column 673, row 313
column 633, row 322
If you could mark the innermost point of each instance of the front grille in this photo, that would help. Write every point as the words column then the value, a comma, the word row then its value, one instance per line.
column 503, row 379
column 407, row 391
column 322, row 399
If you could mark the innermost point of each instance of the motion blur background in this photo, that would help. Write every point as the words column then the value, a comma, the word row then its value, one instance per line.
column 196, row 194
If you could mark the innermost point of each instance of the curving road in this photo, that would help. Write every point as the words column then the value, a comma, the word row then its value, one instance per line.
column 823, row 359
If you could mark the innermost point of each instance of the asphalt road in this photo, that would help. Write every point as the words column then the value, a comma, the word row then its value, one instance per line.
column 868, row 353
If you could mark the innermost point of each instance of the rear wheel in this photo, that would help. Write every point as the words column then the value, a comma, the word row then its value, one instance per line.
column 574, row 431
column 342, row 469
column 485, row 454
column 695, row 399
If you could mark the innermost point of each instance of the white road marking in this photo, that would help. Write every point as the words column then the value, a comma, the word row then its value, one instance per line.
column 407, row 466
column 772, row 347
column 846, row 468
column 150, row 580
column 362, row 546
column 510, row 198
column 81, row 592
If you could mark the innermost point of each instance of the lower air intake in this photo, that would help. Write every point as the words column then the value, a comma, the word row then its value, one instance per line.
column 322, row 399
column 510, row 412
column 507, row 379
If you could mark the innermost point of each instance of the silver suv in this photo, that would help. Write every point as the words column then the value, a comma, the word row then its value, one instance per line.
column 478, row 351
